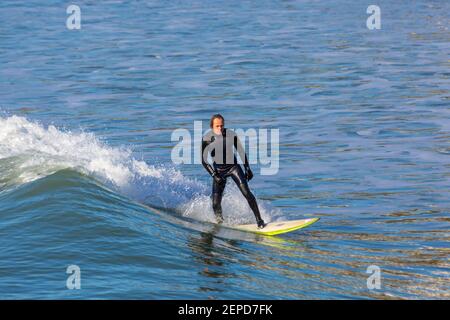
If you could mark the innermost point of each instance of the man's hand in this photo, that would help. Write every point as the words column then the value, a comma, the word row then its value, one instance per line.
column 248, row 174
column 218, row 179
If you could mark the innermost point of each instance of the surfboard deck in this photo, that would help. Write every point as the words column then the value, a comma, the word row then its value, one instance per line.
column 277, row 227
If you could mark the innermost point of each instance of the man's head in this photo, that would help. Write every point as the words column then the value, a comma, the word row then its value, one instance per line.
column 217, row 123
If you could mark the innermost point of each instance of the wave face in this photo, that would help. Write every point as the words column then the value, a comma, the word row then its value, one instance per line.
column 30, row 151
column 95, row 202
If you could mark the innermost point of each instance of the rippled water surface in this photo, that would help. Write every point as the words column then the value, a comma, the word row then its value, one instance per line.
column 86, row 177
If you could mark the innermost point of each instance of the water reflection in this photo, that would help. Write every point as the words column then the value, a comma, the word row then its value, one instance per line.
column 211, row 259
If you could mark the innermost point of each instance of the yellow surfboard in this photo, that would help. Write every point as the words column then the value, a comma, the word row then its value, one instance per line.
column 277, row 227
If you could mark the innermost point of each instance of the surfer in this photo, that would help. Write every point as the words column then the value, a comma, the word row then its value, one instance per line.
column 219, row 142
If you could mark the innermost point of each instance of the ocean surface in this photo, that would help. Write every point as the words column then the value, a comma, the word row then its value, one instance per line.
column 87, row 178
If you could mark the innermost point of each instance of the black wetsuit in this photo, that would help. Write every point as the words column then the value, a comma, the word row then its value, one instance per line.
column 225, row 165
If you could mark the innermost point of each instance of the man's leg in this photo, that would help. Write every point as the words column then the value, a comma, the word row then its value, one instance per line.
column 217, row 193
column 241, row 181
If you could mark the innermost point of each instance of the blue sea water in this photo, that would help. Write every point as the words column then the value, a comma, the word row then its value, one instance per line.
column 86, row 176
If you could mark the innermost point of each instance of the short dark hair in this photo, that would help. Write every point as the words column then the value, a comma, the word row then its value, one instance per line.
column 216, row 116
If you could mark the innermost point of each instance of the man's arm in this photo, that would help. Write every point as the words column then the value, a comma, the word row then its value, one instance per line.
column 204, row 156
column 241, row 152
column 243, row 156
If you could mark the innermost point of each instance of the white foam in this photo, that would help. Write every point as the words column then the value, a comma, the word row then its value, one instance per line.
column 48, row 150
column 234, row 206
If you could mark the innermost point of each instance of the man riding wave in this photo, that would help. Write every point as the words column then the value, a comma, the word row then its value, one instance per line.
column 220, row 143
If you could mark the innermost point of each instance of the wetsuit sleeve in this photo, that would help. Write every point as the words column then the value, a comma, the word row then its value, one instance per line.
column 204, row 156
column 241, row 151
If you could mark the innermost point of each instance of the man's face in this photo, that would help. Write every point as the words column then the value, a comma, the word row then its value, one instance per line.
column 217, row 126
